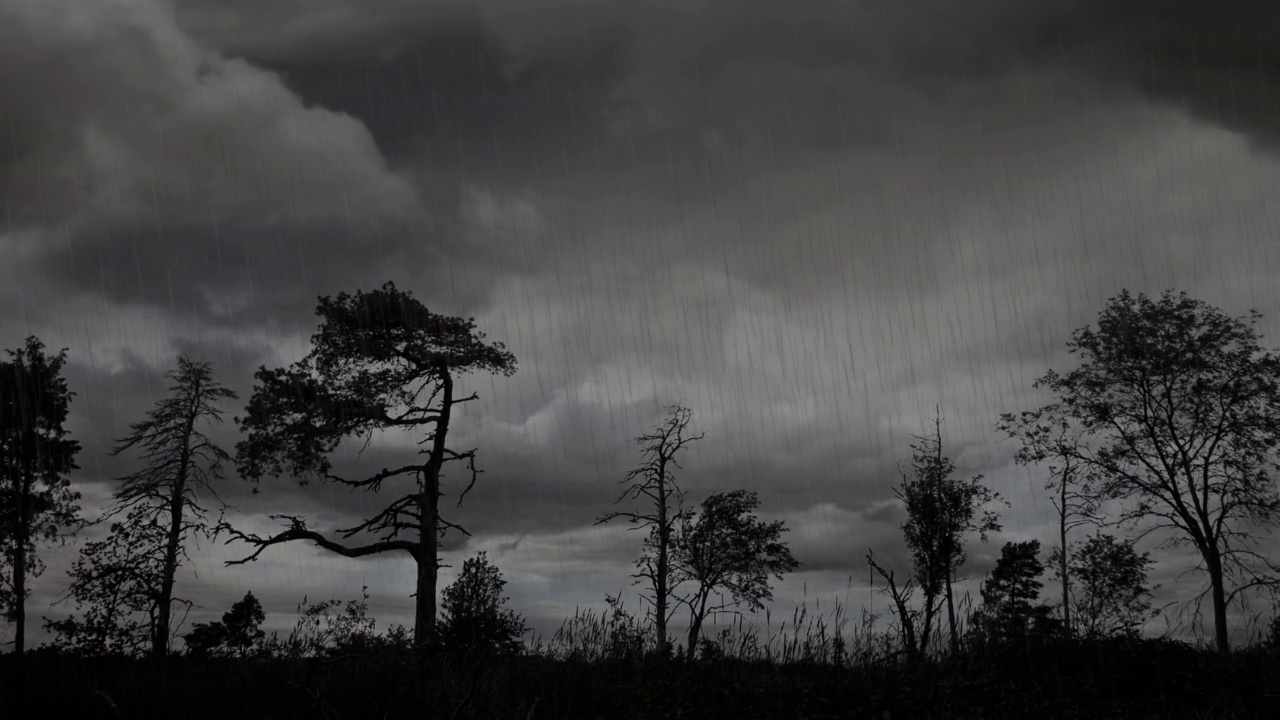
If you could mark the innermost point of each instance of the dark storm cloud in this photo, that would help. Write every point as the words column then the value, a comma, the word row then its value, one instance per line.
column 239, row 272
column 1220, row 61
column 451, row 102
column 479, row 77
column 437, row 86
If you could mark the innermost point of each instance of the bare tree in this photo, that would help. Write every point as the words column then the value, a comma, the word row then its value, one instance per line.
column 381, row 361
column 901, row 597
column 726, row 549
column 1057, row 443
column 1180, row 408
column 36, row 455
column 180, row 465
column 655, row 481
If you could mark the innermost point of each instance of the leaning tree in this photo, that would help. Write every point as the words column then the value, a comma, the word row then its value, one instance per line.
column 725, row 549
column 380, row 361
column 1178, row 409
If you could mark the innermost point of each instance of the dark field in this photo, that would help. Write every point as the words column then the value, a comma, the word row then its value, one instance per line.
column 1129, row 679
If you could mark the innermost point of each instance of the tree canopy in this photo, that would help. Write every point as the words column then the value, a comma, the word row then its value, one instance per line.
column 1111, row 596
column 380, row 361
column 941, row 510
column 1178, row 410
column 725, row 548
column 474, row 617
column 36, row 455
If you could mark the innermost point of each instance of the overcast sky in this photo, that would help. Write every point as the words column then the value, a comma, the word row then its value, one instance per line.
column 810, row 222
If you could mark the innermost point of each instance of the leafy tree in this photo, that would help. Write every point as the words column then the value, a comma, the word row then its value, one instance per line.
column 725, row 549
column 1009, row 594
column 1179, row 409
column 474, row 617
column 242, row 623
column 1111, row 596
column 133, row 570
column 115, row 589
column 36, row 454
column 1057, row 444
column 941, row 510
column 237, row 632
column 655, row 481
column 205, row 639
column 380, row 361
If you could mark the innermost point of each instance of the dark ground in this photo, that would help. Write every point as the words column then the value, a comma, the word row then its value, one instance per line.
column 1149, row 679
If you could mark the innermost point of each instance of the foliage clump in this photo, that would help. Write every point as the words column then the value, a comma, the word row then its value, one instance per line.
column 474, row 616
column 235, row 635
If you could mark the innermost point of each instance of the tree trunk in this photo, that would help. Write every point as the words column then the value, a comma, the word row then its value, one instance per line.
column 660, row 603
column 1062, row 560
column 425, row 605
column 424, row 618
column 660, row 582
column 160, row 638
column 22, row 536
column 951, row 618
column 695, row 629
column 930, row 608
column 1218, row 591
column 907, row 622
column 424, row 621
column 19, row 610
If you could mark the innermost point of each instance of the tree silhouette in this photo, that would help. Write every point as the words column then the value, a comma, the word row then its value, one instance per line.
column 725, row 549
column 941, row 510
column 1179, row 409
column 1009, row 594
column 116, row 588
column 655, row 480
column 235, row 634
column 474, row 618
column 380, row 361
column 36, row 454
column 133, row 569
column 901, row 596
column 1057, row 443
column 1111, row 596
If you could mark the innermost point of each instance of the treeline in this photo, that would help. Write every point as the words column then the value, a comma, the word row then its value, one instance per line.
column 1169, row 423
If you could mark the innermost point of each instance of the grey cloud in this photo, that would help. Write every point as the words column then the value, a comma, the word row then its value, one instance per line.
column 436, row 85
column 241, row 270
column 1217, row 60
column 145, row 119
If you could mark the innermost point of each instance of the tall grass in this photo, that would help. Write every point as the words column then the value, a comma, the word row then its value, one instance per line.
column 811, row 637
